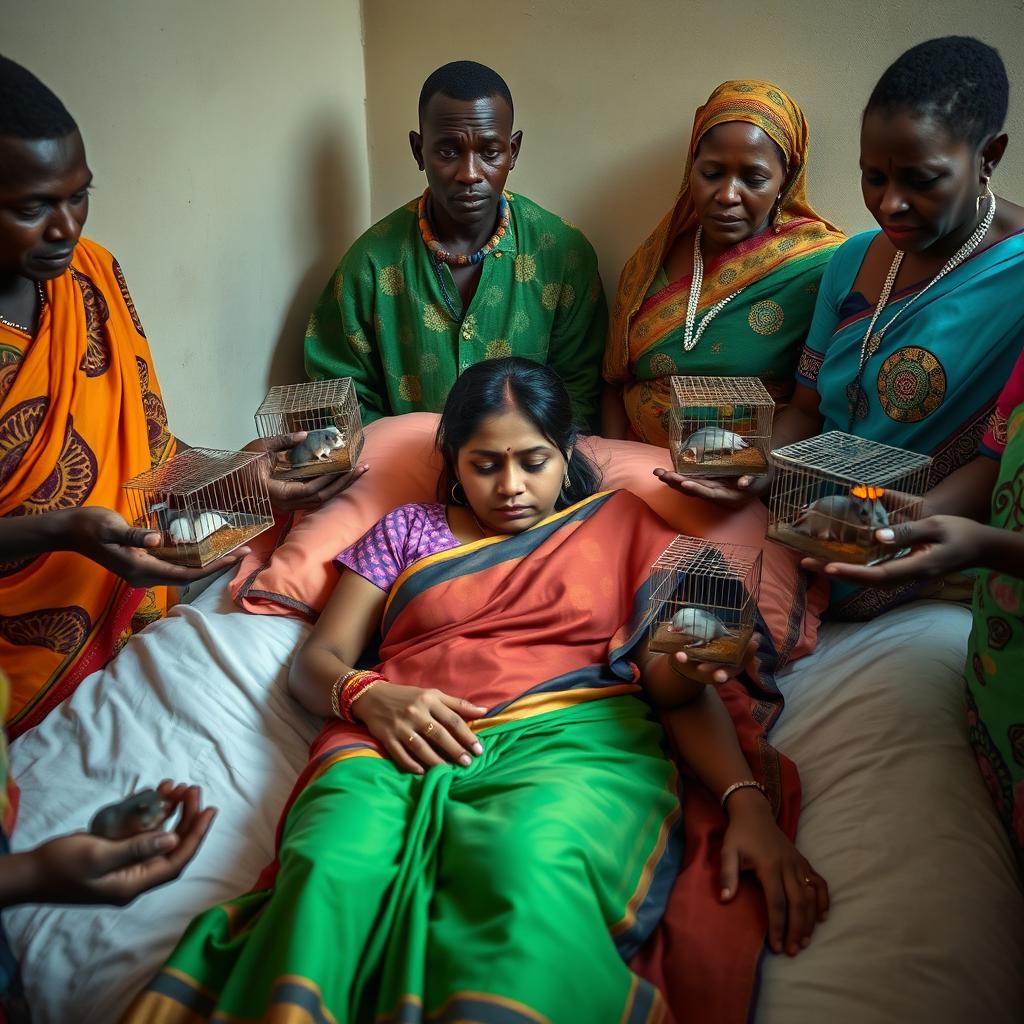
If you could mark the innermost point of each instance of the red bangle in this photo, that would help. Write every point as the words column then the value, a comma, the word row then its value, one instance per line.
column 353, row 690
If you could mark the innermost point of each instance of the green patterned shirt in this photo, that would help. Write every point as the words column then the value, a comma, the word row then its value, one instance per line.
column 392, row 319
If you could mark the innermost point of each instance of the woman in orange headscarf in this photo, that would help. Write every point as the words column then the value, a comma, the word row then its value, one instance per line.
column 726, row 284
column 80, row 413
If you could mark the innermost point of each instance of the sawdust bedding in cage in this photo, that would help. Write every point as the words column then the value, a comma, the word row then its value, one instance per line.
column 829, row 550
column 338, row 460
column 741, row 461
column 221, row 542
column 723, row 650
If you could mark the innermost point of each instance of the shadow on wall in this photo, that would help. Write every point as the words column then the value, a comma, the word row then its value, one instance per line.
column 639, row 185
column 330, row 216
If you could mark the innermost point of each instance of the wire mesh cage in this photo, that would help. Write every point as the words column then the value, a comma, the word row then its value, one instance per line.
column 329, row 410
column 831, row 492
column 720, row 426
column 204, row 502
column 704, row 599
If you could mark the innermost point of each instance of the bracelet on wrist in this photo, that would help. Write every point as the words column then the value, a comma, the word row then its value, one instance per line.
column 348, row 688
column 742, row 784
column 336, row 688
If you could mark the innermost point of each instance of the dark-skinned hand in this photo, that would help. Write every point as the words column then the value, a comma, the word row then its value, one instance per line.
column 940, row 545
column 83, row 868
column 300, row 495
column 103, row 536
column 796, row 895
column 726, row 491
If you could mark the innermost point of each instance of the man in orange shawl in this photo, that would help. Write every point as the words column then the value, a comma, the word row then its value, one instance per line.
column 80, row 413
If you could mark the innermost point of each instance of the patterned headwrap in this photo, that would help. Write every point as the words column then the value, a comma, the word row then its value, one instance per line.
column 768, row 107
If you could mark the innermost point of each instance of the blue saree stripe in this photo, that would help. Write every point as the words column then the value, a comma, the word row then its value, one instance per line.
column 470, row 1010
column 181, row 992
column 643, row 1000
column 514, row 547
column 586, row 677
column 288, row 993
column 652, row 907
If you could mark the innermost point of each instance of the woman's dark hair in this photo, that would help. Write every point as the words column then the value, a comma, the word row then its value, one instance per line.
column 958, row 80
column 531, row 389
column 28, row 109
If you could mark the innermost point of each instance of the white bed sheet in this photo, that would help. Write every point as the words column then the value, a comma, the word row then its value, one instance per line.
column 927, row 921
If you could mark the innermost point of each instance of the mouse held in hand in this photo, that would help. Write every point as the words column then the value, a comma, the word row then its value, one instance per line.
column 140, row 812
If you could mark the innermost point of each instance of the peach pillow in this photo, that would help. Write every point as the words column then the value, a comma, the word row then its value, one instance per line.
column 291, row 572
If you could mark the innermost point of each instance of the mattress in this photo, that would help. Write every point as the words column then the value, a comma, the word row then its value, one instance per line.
column 928, row 917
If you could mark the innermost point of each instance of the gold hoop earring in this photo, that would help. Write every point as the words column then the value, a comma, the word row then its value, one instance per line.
column 456, row 500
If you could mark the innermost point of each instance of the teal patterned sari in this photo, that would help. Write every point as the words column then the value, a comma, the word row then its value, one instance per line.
column 934, row 380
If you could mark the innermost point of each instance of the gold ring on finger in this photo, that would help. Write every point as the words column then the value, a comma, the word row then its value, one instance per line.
column 428, row 729
column 808, row 880
column 411, row 738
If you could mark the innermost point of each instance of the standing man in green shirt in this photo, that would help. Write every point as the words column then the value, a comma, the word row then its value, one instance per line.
column 466, row 272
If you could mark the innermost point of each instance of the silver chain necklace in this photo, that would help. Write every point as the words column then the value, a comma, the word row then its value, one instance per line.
column 21, row 327
column 872, row 339
column 691, row 337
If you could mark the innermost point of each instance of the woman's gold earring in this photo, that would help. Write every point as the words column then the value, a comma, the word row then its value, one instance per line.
column 776, row 225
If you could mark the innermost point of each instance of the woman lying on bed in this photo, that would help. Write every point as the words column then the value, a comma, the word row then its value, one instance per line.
column 489, row 825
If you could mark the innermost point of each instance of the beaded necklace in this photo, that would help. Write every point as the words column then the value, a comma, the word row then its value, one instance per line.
column 19, row 327
column 872, row 341
column 691, row 337
column 442, row 255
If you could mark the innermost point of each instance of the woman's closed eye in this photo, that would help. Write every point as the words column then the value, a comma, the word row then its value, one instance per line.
column 530, row 465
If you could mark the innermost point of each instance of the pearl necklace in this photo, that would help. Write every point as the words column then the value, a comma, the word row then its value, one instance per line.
column 872, row 341
column 690, row 337
column 20, row 327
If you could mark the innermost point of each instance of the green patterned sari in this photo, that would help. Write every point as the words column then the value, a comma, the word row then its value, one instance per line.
column 995, row 662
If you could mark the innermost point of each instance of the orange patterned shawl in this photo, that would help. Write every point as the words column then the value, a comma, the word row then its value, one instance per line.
column 80, row 413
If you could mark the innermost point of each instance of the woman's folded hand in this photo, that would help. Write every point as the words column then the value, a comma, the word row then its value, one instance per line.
column 796, row 895
column 420, row 728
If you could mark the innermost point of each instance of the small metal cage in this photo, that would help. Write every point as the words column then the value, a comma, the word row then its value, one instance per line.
column 329, row 410
column 831, row 492
column 720, row 426
column 703, row 599
column 204, row 502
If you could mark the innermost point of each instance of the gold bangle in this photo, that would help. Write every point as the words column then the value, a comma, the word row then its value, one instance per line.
column 744, row 784
column 337, row 686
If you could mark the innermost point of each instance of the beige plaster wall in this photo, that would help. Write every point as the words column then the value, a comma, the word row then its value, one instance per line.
column 605, row 90
column 228, row 141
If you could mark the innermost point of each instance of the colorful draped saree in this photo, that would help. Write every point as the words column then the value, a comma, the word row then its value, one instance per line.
column 761, row 331
column 527, row 886
column 80, row 413
column 995, row 657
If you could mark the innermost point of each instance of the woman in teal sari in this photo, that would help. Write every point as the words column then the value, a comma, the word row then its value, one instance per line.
column 917, row 325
